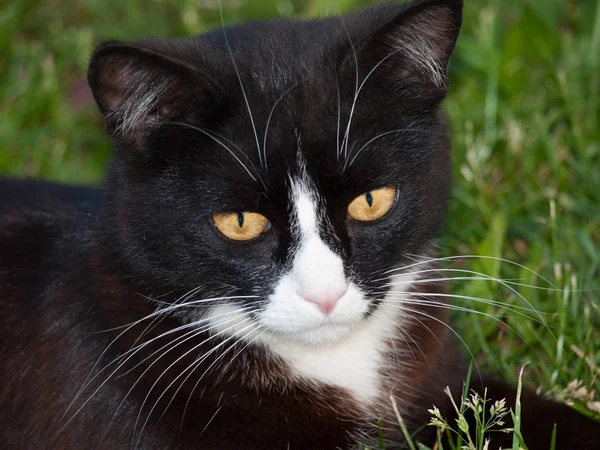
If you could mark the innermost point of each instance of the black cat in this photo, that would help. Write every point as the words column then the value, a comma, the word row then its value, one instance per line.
column 243, row 282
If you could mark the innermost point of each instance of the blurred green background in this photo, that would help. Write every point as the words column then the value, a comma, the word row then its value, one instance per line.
column 524, row 106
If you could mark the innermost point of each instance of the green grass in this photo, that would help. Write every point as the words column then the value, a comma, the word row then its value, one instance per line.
column 524, row 107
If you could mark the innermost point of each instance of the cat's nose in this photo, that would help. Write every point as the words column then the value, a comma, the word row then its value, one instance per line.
column 326, row 300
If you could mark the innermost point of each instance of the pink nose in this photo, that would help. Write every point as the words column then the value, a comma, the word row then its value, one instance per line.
column 326, row 301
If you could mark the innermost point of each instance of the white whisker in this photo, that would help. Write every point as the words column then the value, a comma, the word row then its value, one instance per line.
column 239, row 312
column 133, row 352
column 433, row 304
column 480, row 277
column 214, row 362
column 379, row 136
column 172, row 345
column 239, row 77
column 211, row 419
column 155, row 314
column 269, row 120
column 218, row 141
column 402, row 333
column 356, row 91
column 494, row 258
column 212, row 350
column 415, row 311
column 506, row 285
column 486, row 301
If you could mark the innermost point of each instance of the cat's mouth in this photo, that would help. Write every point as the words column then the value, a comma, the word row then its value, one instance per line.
column 291, row 317
column 327, row 332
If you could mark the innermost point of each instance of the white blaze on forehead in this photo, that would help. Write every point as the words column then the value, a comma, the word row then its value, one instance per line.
column 316, row 268
column 305, row 208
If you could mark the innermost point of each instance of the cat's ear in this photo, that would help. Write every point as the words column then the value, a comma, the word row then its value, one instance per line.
column 416, row 45
column 137, row 89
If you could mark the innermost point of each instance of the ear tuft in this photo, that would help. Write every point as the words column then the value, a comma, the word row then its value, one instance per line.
column 136, row 88
column 417, row 44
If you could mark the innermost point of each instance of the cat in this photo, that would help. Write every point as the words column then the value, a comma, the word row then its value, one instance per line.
column 247, row 279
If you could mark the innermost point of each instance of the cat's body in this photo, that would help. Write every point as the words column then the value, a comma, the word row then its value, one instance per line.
column 256, row 403
column 136, row 317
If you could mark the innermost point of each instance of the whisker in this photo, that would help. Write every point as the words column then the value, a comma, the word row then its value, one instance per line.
column 189, row 335
column 108, row 347
column 158, row 319
column 258, row 327
column 194, row 333
column 239, row 312
column 269, row 119
column 507, row 286
column 505, row 283
column 204, row 300
column 118, row 368
column 210, row 421
column 403, row 308
column 237, row 72
column 395, row 350
column 213, row 349
column 434, row 304
column 403, row 333
column 135, row 349
column 452, row 307
column 206, row 133
column 379, row 136
column 214, row 362
column 494, row 258
column 181, row 357
column 481, row 277
column 183, row 302
column 467, row 297
column 356, row 91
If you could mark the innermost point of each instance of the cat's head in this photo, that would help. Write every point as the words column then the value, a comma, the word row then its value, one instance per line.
column 287, row 166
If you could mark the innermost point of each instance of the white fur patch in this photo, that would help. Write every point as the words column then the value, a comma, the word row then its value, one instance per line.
column 316, row 271
column 341, row 348
column 304, row 204
column 353, row 362
column 356, row 361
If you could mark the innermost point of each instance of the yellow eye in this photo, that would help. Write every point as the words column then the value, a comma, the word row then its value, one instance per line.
column 373, row 204
column 241, row 226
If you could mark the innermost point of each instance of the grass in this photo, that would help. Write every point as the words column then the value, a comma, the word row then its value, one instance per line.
column 524, row 108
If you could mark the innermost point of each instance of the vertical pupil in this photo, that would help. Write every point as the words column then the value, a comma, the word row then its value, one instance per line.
column 241, row 219
column 369, row 199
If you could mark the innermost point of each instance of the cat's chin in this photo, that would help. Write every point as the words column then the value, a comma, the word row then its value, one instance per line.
column 323, row 334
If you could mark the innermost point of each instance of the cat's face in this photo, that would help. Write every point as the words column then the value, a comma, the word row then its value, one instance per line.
column 281, row 170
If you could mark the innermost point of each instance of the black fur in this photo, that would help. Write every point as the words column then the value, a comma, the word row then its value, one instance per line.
column 78, row 265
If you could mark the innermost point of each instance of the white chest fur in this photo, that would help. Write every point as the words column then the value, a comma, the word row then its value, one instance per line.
column 354, row 363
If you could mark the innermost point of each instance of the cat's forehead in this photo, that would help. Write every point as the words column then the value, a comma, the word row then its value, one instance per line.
column 276, row 55
column 264, row 99
column 280, row 49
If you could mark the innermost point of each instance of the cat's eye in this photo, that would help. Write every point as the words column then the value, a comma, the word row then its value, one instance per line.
column 373, row 204
column 241, row 226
